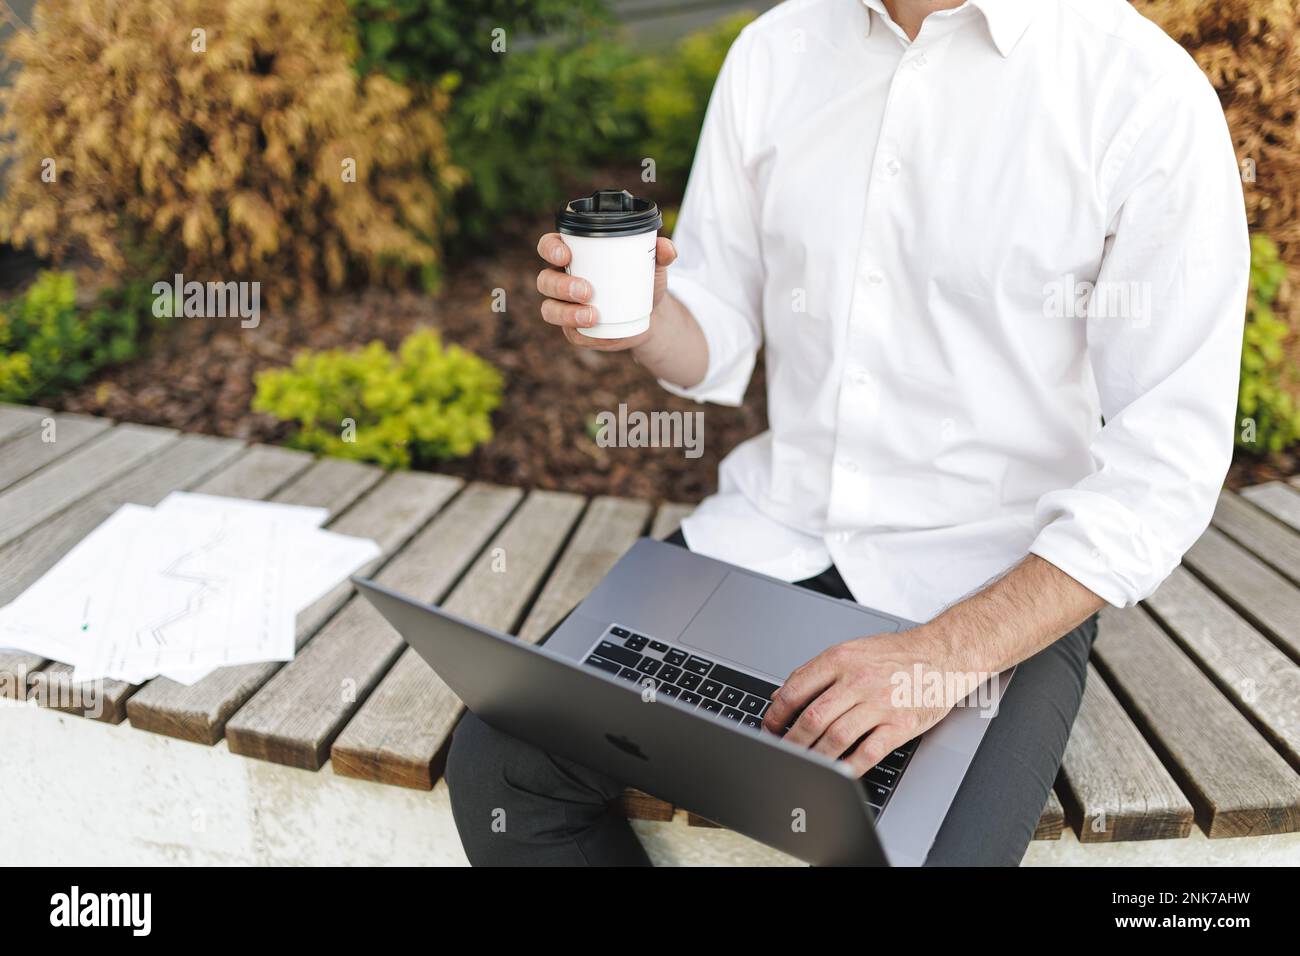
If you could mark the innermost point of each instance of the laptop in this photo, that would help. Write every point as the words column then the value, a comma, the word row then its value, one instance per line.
column 660, row 678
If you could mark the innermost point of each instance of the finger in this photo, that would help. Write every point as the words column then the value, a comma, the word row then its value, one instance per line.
column 882, row 741
column 552, row 248
column 603, row 345
column 824, row 710
column 799, row 688
column 844, row 733
column 555, row 284
column 568, row 313
column 665, row 252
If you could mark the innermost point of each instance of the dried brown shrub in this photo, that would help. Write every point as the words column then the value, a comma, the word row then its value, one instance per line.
column 1250, row 49
column 222, row 163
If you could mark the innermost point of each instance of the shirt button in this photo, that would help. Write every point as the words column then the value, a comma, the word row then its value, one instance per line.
column 919, row 62
column 860, row 377
column 849, row 465
column 893, row 166
column 875, row 277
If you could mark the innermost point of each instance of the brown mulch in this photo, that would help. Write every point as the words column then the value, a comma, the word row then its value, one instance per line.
column 198, row 377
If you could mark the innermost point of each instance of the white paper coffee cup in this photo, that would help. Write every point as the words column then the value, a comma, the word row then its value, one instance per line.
column 611, row 236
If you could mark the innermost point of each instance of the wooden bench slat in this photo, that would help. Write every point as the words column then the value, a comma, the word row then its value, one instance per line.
column 1252, row 673
column 1237, row 783
column 296, row 715
column 391, row 511
column 38, row 497
column 1051, row 822
column 399, row 734
column 1278, row 498
column 30, row 452
column 1111, row 782
column 669, row 518
column 1257, row 592
column 1273, row 542
column 16, row 420
column 639, row 805
column 610, row 526
column 185, row 460
column 259, row 473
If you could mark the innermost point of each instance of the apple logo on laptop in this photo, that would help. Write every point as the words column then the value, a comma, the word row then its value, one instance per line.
column 627, row 746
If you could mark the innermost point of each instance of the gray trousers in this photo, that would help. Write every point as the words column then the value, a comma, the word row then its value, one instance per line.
column 517, row 805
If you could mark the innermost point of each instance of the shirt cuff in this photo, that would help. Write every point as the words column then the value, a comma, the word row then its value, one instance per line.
column 731, row 341
column 1102, row 545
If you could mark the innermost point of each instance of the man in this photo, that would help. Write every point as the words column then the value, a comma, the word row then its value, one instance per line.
column 996, row 254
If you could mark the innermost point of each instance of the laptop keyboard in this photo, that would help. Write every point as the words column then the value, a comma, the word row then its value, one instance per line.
column 718, row 690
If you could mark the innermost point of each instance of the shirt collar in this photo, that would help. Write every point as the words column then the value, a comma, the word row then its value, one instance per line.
column 1007, row 19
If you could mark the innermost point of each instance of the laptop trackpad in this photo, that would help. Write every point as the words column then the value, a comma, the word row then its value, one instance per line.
column 773, row 629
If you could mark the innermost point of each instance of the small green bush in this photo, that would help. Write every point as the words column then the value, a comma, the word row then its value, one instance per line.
column 423, row 40
column 48, row 343
column 1269, row 381
column 422, row 405
column 674, row 90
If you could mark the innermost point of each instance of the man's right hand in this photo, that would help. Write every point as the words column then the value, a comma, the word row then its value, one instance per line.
column 567, row 296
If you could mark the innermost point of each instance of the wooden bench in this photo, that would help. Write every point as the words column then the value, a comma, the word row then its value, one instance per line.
column 1190, row 719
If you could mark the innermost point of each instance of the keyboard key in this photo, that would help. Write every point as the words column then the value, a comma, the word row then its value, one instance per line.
column 636, row 642
column 753, row 705
column 648, row 665
column 659, row 646
column 895, row 759
column 604, row 665
column 752, row 721
column 690, row 681
column 689, row 697
column 710, row 688
column 675, row 657
column 612, row 652
column 876, row 794
column 670, row 673
column 620, row 632
column 731, row 697
column 885, row 776
column 698, row 665
column 746, row 682
column 628, row 674
column 669, row 690
column 712, row 706
column 733, row 715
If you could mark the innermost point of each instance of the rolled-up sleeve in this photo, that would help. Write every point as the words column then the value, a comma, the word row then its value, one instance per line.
column 1167, row 366
column 718, row 275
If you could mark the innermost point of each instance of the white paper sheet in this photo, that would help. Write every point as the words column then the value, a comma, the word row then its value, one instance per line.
column 197, row 583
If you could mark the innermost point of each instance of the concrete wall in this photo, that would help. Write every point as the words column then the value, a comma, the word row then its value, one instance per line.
column 77, row 792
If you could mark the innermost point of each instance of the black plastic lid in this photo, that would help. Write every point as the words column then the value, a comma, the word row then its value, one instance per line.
column 609, row 212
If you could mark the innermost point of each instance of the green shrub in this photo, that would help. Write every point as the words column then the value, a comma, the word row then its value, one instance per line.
column 551, row 114
column 1269, row 382
column 424, row 404
column 424, row 40
column 675, row 89
column 48, row 343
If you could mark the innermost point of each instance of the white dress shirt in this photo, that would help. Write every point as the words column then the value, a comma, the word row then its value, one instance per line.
column 911, row 231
